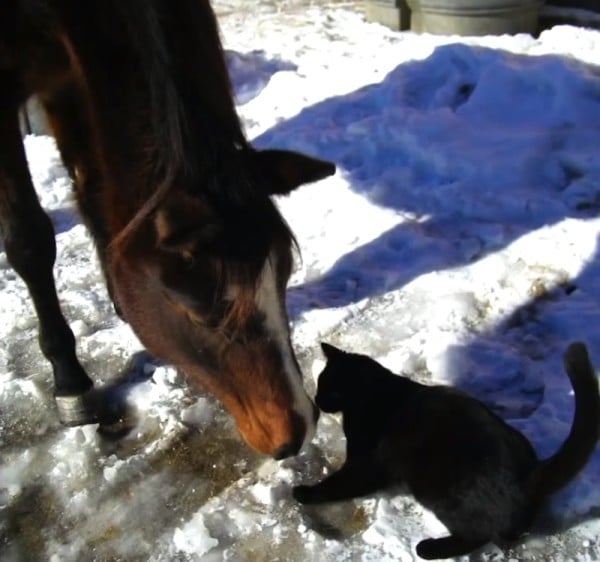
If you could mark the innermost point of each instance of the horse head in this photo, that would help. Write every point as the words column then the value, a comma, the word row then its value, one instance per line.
column 203, row 286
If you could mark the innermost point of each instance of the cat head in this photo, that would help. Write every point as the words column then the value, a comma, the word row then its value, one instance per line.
column 345, row 379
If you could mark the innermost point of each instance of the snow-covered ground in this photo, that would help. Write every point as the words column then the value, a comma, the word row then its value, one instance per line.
column 457, row 243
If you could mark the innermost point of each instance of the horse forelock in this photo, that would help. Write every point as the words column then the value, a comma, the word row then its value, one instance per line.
column 242, row 275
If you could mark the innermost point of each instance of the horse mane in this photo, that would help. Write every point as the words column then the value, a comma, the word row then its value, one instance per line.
column 196, row 133
column 190, row 108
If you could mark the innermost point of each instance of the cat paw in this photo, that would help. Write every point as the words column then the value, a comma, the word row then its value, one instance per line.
column 428, row 549
column 304, row 494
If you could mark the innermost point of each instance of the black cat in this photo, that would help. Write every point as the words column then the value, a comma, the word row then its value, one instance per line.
column 479, row 476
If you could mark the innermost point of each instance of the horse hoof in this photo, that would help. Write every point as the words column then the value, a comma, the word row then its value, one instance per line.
column 74, row 410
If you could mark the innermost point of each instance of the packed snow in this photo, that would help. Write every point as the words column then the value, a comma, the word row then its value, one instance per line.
column 456, row 244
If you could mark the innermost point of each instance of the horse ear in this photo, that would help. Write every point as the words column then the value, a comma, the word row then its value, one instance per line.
column 285, row 170
column 184, row 223
column 331, row 351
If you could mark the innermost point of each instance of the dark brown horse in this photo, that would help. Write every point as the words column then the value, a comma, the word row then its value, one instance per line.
column 195, row 253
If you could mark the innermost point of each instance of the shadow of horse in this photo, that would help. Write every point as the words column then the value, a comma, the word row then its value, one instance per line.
column 456, row 141
column 115, row 416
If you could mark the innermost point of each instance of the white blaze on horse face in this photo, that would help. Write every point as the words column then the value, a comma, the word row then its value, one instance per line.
column 269, row 302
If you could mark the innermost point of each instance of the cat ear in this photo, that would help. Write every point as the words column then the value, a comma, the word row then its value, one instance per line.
column 330, row 351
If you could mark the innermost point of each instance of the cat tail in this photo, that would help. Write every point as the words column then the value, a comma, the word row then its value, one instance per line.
column 558, row 470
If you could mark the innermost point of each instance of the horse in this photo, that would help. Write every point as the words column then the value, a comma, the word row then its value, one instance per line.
column 194, row 251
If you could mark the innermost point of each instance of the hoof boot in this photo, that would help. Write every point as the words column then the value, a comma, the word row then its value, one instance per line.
column 74, row 410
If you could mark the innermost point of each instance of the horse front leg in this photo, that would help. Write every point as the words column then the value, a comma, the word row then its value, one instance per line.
column 30, row 248
column 68, row 120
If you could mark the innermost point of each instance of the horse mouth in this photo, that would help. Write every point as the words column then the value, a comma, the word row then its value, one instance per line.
column 296, row 445
column 298, row 438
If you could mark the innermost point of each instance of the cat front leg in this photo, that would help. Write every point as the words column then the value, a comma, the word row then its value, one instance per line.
column 447, row 547
column 353, row 480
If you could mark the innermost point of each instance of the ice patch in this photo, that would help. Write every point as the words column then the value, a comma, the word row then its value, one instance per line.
column 193, row 538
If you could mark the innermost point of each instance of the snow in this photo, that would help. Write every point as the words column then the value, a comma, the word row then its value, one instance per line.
column 457, row 244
